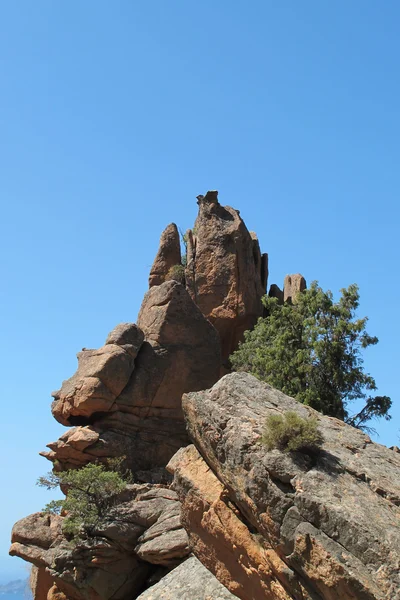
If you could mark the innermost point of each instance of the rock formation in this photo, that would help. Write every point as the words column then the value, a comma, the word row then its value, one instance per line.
column 126, row 396
column 190, row 581
column 275, row 525
column 142, row 534
column 168, row 255
column 263, row 524
column 294, row 284
column 226, row 274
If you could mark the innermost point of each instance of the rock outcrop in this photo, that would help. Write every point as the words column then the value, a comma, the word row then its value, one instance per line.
column 226, row 275
column 168, row 255
column 293, row 285
column 275, row 525
column 141, row 534
column 125, row 398
column 190, row 581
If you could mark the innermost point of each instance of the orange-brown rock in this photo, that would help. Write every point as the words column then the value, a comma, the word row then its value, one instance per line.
column 225, row 275
column 293, row 285
column 138, row 412
column 40, row 582
column 218, row 535
column 101, row 376
column 168, row 255
column 55, row 594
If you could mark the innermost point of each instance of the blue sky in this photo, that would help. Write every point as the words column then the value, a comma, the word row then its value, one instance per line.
column 115, row 115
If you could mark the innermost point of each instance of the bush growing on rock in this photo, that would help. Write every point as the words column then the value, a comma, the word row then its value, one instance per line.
column 292, row 433
column 177, row 273
column 91, row 492
column 311, row 349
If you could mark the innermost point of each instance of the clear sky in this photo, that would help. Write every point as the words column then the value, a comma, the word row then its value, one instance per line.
column 115, row 115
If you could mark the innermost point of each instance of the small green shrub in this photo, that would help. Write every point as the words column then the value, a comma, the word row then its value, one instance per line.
column 91, row 492
column 292, row 433
column 177, row 273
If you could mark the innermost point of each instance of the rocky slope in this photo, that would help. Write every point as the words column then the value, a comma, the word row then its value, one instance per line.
column 274, row 525
column 262, row 524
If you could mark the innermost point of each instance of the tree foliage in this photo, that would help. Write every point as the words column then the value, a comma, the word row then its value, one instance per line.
column 311, row 350
column 91, row 492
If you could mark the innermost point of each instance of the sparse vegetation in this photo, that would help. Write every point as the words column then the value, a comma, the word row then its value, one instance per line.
column 292, row 433
column 177, row 273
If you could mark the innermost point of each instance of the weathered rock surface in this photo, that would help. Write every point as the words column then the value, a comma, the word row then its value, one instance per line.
column 40, row 582
column 142, row 532
column 324, row 527
column 168, row 255
column 101, row 376
column 225, row 275
column 190, row 581
column 293, row 285
column 134, row 407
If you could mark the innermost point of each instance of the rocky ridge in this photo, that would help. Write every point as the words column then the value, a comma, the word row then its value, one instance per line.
column 287, row 525
column 262, row 524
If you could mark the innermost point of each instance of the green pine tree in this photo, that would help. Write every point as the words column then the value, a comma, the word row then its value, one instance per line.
column 312, row 350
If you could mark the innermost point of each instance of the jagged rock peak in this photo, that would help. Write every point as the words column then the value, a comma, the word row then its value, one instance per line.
column 168, row 255
column 226, row 274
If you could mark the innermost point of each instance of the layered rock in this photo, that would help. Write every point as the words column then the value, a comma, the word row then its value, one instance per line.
column 141, row 533
column 168, row 255
column 190, row 581
column 273, row 525
column 126, row 396
column 226, row 274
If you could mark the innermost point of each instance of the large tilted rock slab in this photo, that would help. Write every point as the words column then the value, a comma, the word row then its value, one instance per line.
column 218, row 535
column 190, row 581
column 168, row 255
column 140, row 534
column 323, row 528
column 126, row 397
column 225, row 275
